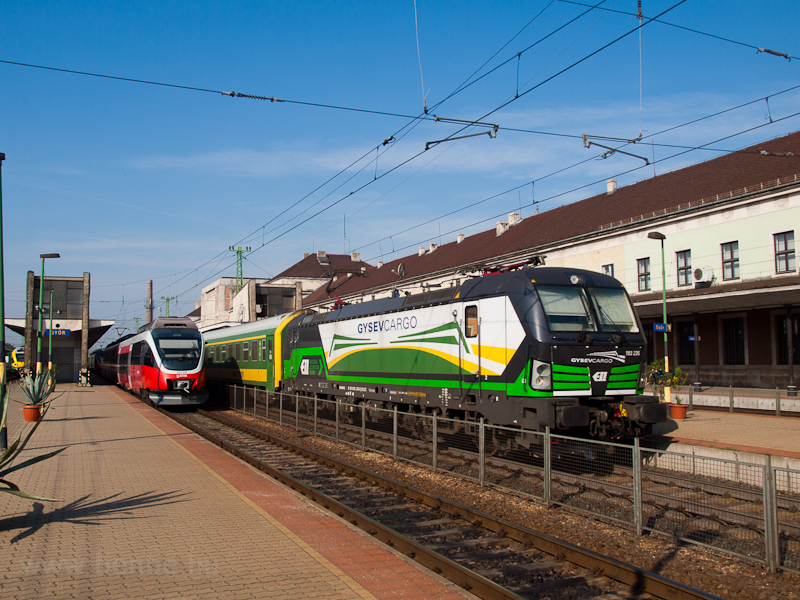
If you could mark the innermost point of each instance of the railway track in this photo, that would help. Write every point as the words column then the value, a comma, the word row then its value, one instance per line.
column 693, row 507
column 490, row 557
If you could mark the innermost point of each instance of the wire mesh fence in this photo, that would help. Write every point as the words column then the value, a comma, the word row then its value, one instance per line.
column 750, row 509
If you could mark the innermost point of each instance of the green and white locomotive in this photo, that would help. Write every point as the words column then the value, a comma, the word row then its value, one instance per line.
column 528, row 349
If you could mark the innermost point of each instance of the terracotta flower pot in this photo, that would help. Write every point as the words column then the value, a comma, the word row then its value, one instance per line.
column 31, row 412
column 677, row 411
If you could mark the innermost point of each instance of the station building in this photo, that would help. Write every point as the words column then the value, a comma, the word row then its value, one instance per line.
column 72, row 333
column 728, row 226
column 222, row 304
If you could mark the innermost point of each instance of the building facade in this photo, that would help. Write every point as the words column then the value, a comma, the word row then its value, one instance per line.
column 728, row 228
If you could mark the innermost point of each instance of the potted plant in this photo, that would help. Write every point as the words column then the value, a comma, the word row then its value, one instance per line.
column 662, row 379
column 10, row 455
column 36, row 389
column 677, row 410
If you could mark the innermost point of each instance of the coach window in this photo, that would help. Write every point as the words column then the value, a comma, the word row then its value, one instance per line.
column 238, row 347
column 230, row 351
column 223, row 353
column 270, row 349
column 264, row 349
column 246, row 351
column 256, row 352
column 147, row 357
column 471, row 316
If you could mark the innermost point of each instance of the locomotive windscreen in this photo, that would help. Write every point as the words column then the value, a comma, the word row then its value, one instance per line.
column 179, row 350
column 578, row 308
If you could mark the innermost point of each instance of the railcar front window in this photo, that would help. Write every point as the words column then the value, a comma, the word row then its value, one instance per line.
column 566, row 308
column 178, row 351
column 613, row 310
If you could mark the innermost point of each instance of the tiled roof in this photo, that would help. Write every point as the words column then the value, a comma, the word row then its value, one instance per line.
column 311, row 268
column 723, row 177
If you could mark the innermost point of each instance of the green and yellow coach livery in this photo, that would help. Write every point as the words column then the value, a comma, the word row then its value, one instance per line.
column 529, row 348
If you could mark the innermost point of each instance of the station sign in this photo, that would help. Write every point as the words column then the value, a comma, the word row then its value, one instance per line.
column 694, row 338
column 662, row 327
column 57, row 332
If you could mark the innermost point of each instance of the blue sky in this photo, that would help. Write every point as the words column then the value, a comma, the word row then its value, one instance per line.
column 131, row 181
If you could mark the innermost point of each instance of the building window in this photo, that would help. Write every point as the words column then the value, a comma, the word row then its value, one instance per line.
column 643, row 268
column 783, row 342
column 733, row 329
column 784, row 252
column 684, row 267
column 685, row 347
column 730, row 260
column 608, row 270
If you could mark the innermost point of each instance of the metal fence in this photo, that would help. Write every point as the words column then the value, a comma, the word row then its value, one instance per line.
column 747, row 509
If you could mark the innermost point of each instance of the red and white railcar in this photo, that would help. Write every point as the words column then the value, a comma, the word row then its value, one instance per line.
column 161, row 363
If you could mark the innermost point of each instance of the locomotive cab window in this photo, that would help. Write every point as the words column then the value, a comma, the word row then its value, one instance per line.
column 471, row 318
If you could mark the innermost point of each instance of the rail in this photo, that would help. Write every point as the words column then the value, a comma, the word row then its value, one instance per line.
column 749, row 509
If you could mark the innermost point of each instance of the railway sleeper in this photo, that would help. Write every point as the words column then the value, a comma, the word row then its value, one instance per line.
column 447, row 532
column 487, row 542
column 522, row 570
column 558, row 584
column 412, row 516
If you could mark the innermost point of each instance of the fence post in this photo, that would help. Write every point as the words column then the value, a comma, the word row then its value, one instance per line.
column 315, row 415
column 266, row 404
column 770, row 516
column 547, row 466
column 255, row 400
column 280, row 410
column 482, row 450
column 730, row 394
column 364, row 426
column 691, row 397
column 297, row 412
column 435, row 442
column 394, row 433
column 336, row 409
column 637, row 487
column 777, row 402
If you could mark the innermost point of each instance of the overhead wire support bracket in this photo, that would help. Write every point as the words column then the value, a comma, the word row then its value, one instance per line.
column 588, row 144
column 775, row 53
column 492, row 134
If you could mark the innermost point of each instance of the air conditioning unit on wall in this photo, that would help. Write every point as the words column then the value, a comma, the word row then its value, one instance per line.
column 703, row 275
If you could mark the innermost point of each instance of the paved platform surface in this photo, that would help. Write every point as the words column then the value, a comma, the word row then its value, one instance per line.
column 149, row 510
column 779, row 436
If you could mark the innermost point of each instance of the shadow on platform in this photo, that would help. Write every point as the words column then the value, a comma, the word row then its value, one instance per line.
column 86, row 512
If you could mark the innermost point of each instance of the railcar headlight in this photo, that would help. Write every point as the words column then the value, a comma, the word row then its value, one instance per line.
column 541, row 375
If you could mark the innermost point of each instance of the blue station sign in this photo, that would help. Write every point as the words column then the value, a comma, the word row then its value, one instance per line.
column 57, row 332
column 662, row 327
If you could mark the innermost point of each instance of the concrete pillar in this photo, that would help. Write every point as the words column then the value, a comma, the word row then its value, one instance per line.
column 83, row 376
column 30, row 340
column 148, row 303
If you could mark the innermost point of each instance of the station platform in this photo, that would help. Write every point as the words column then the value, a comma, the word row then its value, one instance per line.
column 739, row 432
column 147, row 509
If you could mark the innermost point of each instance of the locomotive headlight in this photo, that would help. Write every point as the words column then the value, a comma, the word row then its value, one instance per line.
column 541, row 375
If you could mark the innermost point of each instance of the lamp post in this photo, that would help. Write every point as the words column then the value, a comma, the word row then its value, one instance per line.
column 41, row 297
column 50, row 337
column 3, row 430
column 656, row 235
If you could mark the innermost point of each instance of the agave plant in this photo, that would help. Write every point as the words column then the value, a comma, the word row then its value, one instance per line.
column 11, row 454
column 37, row 388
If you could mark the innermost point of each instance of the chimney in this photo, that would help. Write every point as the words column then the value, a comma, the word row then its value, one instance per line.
column 197, row 304
column 305, row 255
column 459, row 238
column 611, row 186
column 513, row 219
column 432, row 247
column 355, row 256
column 421, row 250
column 501, row 227
column 380, row 264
